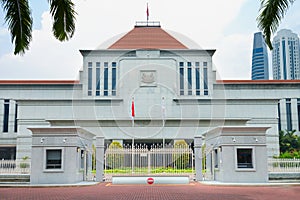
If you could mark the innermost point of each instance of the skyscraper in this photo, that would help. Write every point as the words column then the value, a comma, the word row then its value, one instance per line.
column 260, row 65
column 285, row 55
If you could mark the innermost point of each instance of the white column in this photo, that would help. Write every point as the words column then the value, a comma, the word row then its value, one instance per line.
column 198, row 157
column 99, row 158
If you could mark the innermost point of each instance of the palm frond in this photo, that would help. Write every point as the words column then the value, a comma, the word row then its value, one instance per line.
column 19, row 20
column 63, row 14
column 271, row 13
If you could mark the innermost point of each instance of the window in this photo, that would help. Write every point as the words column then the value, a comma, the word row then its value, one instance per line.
column 216, row 158
column 244, row 158
column 205, row 81
column 90, row 80
column 53, row 158
column 97, row 64
column 288, row 115
column 82, row 159
column 284, row 60
column 7, row 153
column 16, row 119
column 181, row 74
column 197, row 69
column 189, row 80
column 279, row 117
column 105, row 79
column 97, row 78
column 6, row 115
column 113, row 78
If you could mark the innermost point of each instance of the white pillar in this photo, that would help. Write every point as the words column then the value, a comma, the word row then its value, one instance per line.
column 99, row 158
column 198, row 157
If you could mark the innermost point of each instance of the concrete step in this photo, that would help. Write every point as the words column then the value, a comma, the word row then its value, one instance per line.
column 14, row 178
column 13, row 183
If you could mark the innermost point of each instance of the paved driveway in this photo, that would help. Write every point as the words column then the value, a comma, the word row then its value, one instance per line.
column 150, row 192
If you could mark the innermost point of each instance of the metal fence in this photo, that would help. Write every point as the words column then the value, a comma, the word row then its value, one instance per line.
column 14, row 167
column 144, row 160
column 283, row 165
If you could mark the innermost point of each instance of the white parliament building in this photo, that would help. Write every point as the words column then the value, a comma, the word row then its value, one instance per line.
column 173, row 87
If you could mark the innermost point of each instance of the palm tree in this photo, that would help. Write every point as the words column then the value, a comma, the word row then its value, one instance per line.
column 19, row 20
column 271, row 13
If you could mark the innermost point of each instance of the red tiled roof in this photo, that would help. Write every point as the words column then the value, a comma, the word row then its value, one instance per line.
column 147, row 37
column 256, row 81
column 37, row 82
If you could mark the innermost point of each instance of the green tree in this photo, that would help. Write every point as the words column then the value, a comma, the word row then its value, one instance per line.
column 181, row 154
column 19, row 20
column 289, row 141
column 270, row 15
column 115, row 156
column 94, row 157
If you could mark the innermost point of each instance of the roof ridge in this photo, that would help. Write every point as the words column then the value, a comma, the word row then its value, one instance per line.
column 174, row 38
column 120, row 38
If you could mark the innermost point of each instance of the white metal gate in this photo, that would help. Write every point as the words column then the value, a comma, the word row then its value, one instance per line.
column 143, row 160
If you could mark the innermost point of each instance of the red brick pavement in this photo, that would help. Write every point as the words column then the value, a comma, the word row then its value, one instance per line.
column 150, row 192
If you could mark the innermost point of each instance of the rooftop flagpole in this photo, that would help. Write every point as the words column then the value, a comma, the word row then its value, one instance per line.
column 147, row 12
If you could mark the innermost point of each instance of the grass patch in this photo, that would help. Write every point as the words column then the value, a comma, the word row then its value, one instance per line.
column 145, row 170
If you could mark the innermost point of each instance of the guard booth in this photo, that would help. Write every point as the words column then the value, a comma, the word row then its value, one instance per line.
column 236, row 155
column 60, row 155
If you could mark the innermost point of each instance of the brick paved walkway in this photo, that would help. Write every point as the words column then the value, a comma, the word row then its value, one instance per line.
column 150, row 192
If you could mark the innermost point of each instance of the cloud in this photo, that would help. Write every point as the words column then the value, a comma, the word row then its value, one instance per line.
column 201, row 20
column 233, row 57
column 47, row 58
column 291, row 19
column 3, row 32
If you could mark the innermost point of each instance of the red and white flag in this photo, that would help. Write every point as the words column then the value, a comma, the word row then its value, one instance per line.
column 132, row 109
column 147, row 11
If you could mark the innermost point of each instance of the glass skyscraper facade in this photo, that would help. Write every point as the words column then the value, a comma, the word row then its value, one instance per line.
column 285, row 55
column 260, row 65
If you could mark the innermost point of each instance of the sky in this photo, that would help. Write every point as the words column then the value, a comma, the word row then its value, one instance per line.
column 227, row 26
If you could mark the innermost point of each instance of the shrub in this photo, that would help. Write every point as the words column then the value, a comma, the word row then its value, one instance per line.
column 24, row 164
column 114, row 155
column 93, row 157
column 293, row 154
column 181, row 155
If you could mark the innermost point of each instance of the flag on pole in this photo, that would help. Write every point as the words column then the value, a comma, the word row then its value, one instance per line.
column 132, row 143
column 147, row 11
column 132, row 109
